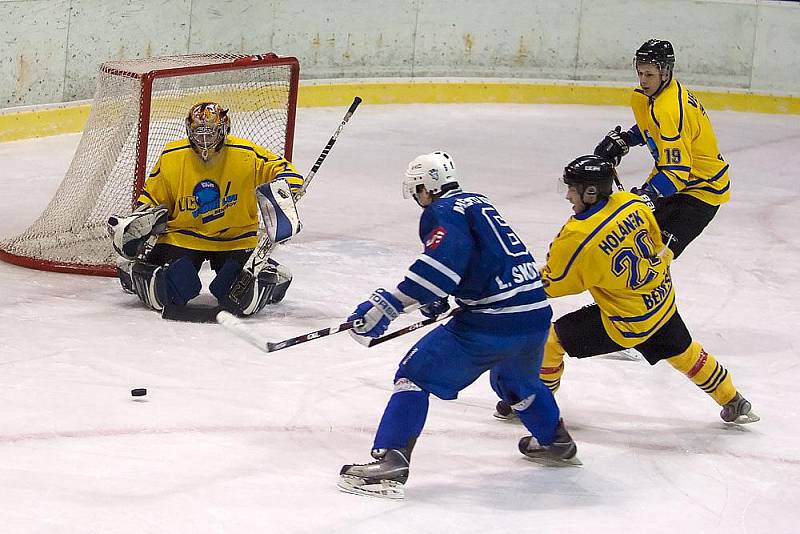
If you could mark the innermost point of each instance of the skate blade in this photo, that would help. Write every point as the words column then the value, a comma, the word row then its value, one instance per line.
column 549, row 461
column 387, row 489
column 509, row 417
column 627, row 355
column 744, row 419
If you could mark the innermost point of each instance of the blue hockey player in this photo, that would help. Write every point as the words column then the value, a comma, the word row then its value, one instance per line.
column 470, row 252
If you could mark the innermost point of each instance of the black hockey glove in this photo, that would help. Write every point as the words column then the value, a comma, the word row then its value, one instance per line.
column 435, row 308
column 614, row 145
column 648, row 195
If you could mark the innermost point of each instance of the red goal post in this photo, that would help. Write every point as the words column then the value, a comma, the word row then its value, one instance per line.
column 138, row 107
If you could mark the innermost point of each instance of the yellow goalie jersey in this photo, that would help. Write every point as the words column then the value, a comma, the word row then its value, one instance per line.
column 611, row 250
column 212, row 205
column 678, row 132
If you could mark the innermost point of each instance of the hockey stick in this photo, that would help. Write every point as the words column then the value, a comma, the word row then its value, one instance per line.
column 191, row 314
column 237, row 326
column 371, row 342
column 327, row 149
column 258, row 258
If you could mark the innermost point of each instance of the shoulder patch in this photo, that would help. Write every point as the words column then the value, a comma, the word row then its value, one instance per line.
column 435, row 238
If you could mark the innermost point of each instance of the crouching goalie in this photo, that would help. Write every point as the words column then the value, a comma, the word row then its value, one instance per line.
column 201, row 203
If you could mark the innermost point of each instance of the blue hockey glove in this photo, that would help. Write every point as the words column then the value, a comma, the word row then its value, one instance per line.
column 435, row 309
column 647, row 193
column 377, row 312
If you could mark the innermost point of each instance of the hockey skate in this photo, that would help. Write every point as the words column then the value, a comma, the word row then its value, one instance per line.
column 384, row 477
column 738, row 411
column 504, row 411
column 562, row 452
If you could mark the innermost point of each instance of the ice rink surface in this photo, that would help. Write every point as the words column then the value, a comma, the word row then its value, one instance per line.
column 233, row 440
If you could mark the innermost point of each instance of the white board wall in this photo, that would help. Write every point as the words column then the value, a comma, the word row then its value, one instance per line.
column 51, row 48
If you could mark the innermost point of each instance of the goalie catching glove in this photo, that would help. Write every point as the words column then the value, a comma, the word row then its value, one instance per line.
column 130, row 235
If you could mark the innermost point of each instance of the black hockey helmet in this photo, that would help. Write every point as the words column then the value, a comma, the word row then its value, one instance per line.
column 592, row 176
column 656, row 52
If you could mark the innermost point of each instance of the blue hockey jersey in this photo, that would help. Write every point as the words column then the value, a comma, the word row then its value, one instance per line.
column 473, row 254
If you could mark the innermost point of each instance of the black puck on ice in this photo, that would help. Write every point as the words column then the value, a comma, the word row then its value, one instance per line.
column 139, row 392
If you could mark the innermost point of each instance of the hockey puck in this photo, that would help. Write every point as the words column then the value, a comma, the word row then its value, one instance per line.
column 139, row 392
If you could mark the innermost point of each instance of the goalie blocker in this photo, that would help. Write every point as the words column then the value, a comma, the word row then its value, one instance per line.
column 281, row 222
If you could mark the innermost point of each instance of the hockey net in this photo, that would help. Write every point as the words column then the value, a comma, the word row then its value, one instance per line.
column 139, row 106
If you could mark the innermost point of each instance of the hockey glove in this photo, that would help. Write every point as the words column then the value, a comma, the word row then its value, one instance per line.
column 434, row 309
column 130, row 234
column 614, row 145
column 377, row 312
column 648, row 195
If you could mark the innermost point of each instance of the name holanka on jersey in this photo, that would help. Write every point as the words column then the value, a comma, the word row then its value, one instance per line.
column 617, row 235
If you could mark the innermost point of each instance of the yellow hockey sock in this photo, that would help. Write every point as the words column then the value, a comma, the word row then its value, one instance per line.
column 553, row 362
column 706, row 372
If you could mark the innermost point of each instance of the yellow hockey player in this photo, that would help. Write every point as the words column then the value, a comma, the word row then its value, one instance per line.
column 689, row 180
column 613, row 248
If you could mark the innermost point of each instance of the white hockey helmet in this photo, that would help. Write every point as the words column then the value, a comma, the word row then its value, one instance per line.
column 435, row 171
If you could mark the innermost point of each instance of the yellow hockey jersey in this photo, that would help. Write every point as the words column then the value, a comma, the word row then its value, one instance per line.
column 212, row 205
column 678, row 132
column 611, row 250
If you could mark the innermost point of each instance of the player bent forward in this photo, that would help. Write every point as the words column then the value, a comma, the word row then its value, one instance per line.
column 613, row 248
column 470, row 252
column 198, row 205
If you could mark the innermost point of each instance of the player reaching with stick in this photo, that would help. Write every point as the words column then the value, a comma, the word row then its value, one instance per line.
column 470, row 252
column 201, row 203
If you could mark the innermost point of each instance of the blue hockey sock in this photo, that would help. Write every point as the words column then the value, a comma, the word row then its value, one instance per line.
column 402, row 420
column 541, row 417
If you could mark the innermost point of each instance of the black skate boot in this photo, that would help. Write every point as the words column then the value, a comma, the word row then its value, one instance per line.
column 738, row 411
column 504, row 411
column 561, row 452
column 382, row 478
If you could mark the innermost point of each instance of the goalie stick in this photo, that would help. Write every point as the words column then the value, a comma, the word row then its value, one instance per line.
column 237, row 326
column 258, row 259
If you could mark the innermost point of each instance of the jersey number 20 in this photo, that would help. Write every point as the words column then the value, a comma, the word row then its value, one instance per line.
column 629, row 260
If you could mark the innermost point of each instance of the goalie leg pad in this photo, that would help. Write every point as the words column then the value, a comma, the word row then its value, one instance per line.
column 156, row 285
column 270, row 287
column 278, row 275
column 124, row 268
column 278, row 210
column 143, row 277
column 130, row 234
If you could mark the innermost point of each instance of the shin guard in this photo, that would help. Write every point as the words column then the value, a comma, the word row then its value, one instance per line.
column 706, row 372
column 404, row 416
column 553, row 362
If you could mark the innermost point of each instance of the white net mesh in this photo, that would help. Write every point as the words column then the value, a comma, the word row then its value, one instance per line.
column 101, row 180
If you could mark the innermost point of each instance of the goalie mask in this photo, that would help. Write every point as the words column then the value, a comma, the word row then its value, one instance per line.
column 207, row 124
column 435, row 171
